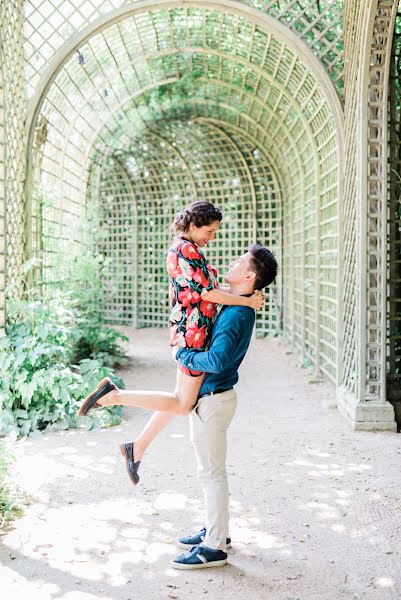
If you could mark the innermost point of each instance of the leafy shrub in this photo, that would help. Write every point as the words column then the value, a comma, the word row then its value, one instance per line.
column 100, row 343
column 84, row 287
column 56, row 347
column 39, row 387
column 9, row 498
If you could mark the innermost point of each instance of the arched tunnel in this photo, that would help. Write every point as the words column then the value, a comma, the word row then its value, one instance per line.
column 159, row 104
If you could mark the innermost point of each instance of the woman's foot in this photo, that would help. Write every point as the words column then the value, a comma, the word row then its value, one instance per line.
column 128, row 451
column 91, row 402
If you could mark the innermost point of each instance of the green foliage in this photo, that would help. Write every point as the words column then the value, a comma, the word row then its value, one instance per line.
column 38, row 386
column 9, row 498
column 54, row 353
column 99, row 343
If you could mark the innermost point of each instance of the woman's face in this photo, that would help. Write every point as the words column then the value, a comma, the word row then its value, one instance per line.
column 202, row 235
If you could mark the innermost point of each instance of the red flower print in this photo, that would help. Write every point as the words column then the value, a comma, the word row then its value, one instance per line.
column 187, row 297
column 213, row 270
column 187, row 371
column 207, row 308
column 177, row 337
column 172, row 265
column 195, row 337
column 189, row 251
column 173, row 331
column 200, row 277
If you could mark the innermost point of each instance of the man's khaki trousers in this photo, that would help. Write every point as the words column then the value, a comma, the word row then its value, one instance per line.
column 209, row 422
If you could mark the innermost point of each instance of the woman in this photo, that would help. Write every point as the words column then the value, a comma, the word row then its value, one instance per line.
column 194, row 296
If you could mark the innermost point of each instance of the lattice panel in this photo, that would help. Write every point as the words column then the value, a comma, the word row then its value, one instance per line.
column 116, row 213
column 60, row 178
column 13, row 102
column 319, row 24
column 267, row 196
column 230, row 71
column 140, row 198
column 293, row 254
column 376, row 251
column 328, row 256
column 49, row 23
column 353, row 15
column 159, row 175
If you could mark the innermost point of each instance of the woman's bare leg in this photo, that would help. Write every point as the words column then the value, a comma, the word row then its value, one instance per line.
column 157, row 422
column 161, row 419
column 179, row 402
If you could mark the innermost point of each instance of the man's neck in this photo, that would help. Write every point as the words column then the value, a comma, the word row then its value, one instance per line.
column 240, row 290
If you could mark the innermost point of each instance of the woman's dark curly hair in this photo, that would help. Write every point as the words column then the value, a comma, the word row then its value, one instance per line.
column 199, row 213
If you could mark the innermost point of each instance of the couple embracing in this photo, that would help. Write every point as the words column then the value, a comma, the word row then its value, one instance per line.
column 208, row 345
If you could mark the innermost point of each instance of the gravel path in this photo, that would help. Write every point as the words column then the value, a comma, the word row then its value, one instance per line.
column 315, row 507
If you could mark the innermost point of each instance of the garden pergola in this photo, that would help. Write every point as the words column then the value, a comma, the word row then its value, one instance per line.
column 284, row 113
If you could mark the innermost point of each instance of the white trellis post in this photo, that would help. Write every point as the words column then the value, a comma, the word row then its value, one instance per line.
column 365, row 405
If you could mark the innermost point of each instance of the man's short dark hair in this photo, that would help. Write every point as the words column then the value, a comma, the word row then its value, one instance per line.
column 263, row 264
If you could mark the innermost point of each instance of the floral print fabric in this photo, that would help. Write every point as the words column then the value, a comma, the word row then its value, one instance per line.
column 191, row 318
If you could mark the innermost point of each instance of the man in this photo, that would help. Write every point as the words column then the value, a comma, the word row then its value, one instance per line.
column 214, row 410
column 216, row 405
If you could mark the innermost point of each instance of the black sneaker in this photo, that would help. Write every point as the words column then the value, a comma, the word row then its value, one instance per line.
column 200, row 557
column 195, row 540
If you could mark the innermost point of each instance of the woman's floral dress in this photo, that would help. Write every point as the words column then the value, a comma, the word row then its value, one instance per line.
column 192, row 318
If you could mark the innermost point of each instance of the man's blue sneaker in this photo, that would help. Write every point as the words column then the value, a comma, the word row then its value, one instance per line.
column 200, row 557
column 194, row 540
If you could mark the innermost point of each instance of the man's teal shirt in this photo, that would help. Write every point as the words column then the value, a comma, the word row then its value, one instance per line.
column 232, row 333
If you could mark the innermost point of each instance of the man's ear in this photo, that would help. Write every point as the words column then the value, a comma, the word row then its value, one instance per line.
column 251, row 275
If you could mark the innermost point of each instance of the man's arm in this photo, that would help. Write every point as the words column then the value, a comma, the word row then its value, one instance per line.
column 218, row 357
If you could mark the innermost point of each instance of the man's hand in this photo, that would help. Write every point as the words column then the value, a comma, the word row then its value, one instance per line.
column 174, row 351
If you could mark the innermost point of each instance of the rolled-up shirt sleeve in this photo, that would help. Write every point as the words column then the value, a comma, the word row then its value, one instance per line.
column 218, row 357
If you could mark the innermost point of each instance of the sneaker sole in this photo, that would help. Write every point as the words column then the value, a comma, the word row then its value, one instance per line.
column 189, row 546
column 214, row 563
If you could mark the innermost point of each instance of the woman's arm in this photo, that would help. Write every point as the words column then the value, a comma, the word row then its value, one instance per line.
column 217, row 296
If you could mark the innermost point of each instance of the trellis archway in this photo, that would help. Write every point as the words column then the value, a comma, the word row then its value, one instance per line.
column 268, row 86
column 168, row 166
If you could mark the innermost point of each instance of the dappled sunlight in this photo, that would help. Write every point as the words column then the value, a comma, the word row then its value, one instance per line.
column 258, row 539
column 342, row 502
column 384, row 582
column 8, row 586
column 322, row 511
column 328, row 469
column 338, row 528
column 170, row 501
column 319, row 453
column 243, row 530
column 157, row 550
column 304, row 516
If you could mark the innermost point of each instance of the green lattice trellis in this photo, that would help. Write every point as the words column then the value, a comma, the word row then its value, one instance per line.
column 254, row 73
column 140, row 194
column 49, row 23
column 200, row 63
